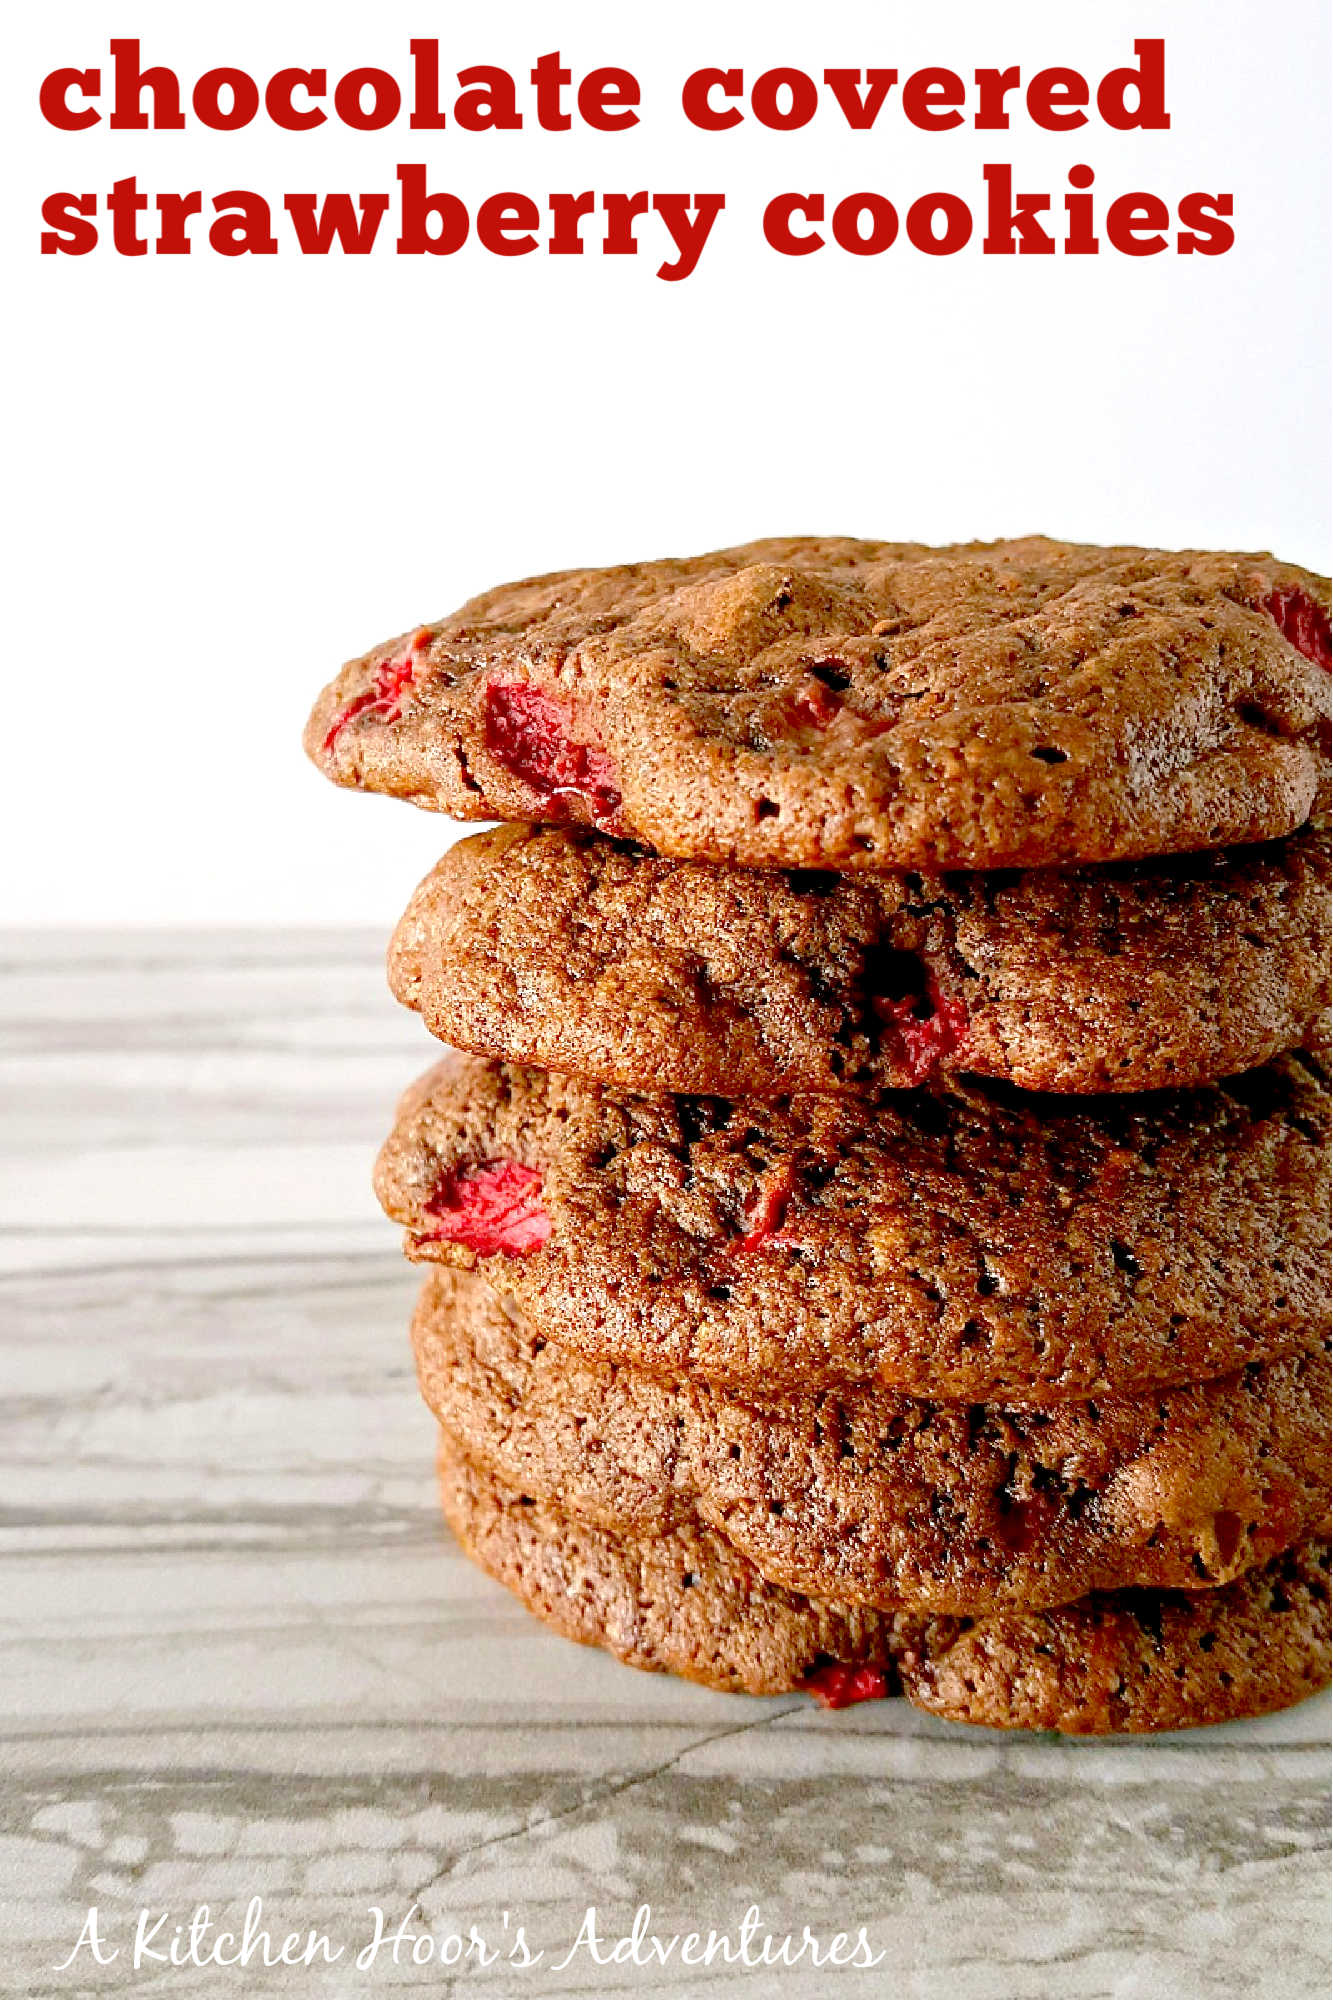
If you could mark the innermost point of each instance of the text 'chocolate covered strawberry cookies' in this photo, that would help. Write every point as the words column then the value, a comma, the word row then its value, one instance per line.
column 877, row 1226
column 847, row 705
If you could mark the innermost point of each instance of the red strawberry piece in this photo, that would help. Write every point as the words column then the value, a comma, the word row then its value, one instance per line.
column 841, row 1686
column 494, row 1209
column 529, row 732
column 1303, row 622
column 389, row 683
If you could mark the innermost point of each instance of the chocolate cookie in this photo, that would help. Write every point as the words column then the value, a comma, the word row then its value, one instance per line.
column 975, row 1242
column 843, row 704
column 686, row 1602
column 561, row 948
column 879, row 1499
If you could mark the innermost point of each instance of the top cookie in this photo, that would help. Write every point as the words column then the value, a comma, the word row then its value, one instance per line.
column 805, row 703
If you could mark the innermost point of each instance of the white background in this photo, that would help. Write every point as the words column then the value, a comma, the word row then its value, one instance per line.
column 227, row 476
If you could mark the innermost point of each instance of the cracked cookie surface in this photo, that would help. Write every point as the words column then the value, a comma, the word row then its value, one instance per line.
column 888, row 1500
column 686, row 1602
column 830, row 703
column 969, row 1242
column 567, row 950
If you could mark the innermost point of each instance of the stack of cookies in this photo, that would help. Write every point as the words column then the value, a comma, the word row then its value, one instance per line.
column 877, row 1233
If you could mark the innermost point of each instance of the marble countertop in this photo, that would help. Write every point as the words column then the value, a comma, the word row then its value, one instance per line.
column 239, row 1658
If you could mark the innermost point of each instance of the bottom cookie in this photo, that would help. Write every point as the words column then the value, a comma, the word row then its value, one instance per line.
column 686, row 1602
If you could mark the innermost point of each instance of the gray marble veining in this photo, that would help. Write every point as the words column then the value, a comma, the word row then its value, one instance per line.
column 239, row 1659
